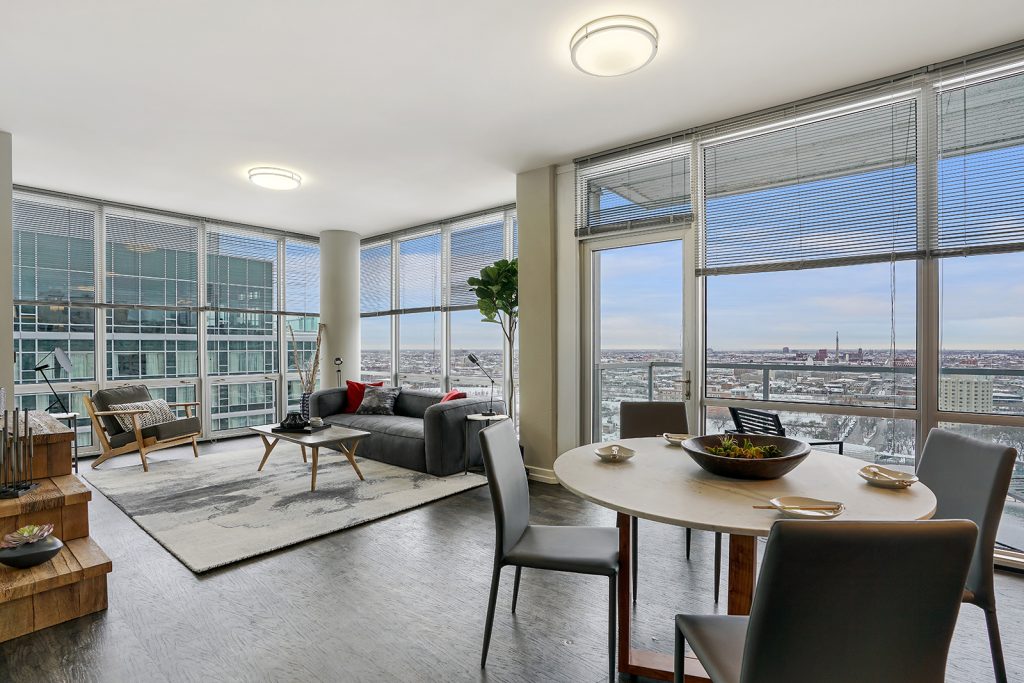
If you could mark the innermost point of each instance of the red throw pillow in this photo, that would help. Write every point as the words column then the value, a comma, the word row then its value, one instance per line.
column 453, row 394
column 355, row 393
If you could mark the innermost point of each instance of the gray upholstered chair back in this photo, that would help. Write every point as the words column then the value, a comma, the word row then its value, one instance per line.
column 651, row 418
column 970, row 479
column 104, row 398
column 506, row 477
column 850, row 602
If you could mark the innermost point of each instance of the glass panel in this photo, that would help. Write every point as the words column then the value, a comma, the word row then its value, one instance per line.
column 147, row 343
column 184, row 393
column 1011, row 528
column 73, row 401
column 53, row 252
column 241, row 343
column 302, row 276
column 823, row 335
column 234, row 406
column 38, row 330
column 375, row 347
column 982, row 348
column 420, row 350
column 881, row 440
column 375, row 278
column 241, row 270
column 638, row 311
column 295, row 393
column 419, row 272
column 470, row 335
column 653, row 192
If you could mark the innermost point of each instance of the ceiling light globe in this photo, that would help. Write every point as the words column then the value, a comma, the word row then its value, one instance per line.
column 614, row 46
column 273, row 178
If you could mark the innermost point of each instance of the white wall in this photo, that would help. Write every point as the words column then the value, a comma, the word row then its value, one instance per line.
column 6, row 270
column 339, row 305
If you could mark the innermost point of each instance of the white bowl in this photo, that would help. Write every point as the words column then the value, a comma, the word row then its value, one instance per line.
column 789, row 507
column 614, row 452
column 675, row 439
column 883, row 477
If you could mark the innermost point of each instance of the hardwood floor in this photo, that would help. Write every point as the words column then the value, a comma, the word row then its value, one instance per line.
column 401, row 599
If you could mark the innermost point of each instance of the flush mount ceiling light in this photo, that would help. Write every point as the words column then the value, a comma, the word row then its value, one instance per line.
column 275, row 178
column 614, row 46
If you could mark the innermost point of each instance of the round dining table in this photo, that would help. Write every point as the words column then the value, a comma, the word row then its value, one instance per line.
column 662, row 483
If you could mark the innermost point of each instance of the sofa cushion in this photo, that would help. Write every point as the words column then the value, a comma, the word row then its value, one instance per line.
column 104, row 398
column 162, row 431
column 395, row 425
column 354, row 394
column 379, row 401
column 453, row 395
column 414, row 402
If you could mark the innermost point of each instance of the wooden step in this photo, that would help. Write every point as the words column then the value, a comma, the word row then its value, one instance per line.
column 71, row 585
column 62, row 501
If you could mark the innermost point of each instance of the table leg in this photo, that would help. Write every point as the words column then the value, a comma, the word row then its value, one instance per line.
column 316, row 457
column 268, row 446
column 465, row 445
column 350, row 453
column 303, row 447
column 742, row 558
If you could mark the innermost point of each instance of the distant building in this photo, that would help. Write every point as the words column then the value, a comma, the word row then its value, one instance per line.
column 785, row 349
column 821, row 355
column 966, row 393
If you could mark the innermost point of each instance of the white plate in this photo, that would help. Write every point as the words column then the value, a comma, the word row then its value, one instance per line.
column 675, row 439
column 898, row 480
column 614, row 452
column 785, row 505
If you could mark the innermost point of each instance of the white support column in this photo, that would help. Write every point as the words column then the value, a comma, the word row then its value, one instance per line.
column 6, row 286
column 339, row 304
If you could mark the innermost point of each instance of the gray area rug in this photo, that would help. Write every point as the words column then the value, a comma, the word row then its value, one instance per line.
column 217, row 509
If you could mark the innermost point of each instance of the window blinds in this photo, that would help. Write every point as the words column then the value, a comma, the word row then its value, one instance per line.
column 375, row 278
column 151, row 262
column 980, row 166
column 301, row 276
column 419, row 273
column 474, row 245
column 53, row 252
column 634, row 190
column 838, row 190
column 241, row 270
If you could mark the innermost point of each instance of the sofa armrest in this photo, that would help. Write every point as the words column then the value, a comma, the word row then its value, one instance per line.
column 444, row 434
column 327, row 402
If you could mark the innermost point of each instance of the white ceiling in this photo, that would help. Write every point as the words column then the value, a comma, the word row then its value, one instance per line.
column 398, row 113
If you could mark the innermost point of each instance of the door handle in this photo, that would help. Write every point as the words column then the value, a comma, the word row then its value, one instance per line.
column 688, row 382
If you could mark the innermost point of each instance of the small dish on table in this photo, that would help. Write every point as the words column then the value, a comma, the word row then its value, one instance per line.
column 883, row 477
column 614, row 452
column 675, row 439
column 801, row 507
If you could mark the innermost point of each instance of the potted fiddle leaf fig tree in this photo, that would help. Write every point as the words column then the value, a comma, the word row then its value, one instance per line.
column 497, row 293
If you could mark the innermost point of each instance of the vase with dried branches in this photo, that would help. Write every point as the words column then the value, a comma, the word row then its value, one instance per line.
column 308, row 368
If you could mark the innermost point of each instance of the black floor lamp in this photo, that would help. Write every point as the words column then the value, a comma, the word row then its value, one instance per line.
column 63, row 361
column 490, row 406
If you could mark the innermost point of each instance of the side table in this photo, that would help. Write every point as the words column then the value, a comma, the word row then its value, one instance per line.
column 72, row 421
column 483, row 420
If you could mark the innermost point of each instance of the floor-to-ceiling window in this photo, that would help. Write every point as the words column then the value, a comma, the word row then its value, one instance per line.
column 194, row 310
column 858, row 260
column 419, row 317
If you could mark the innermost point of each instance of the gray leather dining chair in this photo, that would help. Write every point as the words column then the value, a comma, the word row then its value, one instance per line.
column 580, row 550
column 843, row 602
column 638, row 419
column 970, row 479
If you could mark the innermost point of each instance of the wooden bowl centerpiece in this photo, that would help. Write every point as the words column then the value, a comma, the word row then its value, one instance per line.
column 746, row 456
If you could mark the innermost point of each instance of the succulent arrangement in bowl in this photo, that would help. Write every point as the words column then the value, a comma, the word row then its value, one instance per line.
column 28, row 546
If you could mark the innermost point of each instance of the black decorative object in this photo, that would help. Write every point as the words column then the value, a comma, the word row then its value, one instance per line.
column 29, row 546
column 17, row 455
column 293, row 420
column 304, row 405
column 793, row 453
column 490, row 406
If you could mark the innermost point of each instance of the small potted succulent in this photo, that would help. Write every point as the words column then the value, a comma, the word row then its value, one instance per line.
column 28, row 546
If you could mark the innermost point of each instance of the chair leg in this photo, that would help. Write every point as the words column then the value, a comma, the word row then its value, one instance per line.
column 996, row 645
column 612, row 598
column 491, row 602
column 515, row 589
column 689, row 533
column 635, row 524
column 142, row 454
column 718, row 563
column 195, row 447
column 680, row 656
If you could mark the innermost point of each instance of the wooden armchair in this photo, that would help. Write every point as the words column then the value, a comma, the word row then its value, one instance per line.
column 116, row 440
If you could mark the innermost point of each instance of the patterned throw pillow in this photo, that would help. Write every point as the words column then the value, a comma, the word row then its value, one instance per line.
column 379, row 401
column 159, row 412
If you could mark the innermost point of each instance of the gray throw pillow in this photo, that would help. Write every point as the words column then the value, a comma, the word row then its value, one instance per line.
column 378, row 401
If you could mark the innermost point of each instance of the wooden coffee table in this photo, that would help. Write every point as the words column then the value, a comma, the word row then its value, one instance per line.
column 345, row 439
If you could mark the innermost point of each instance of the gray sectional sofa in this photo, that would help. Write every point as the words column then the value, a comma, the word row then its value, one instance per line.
column 423, row 434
